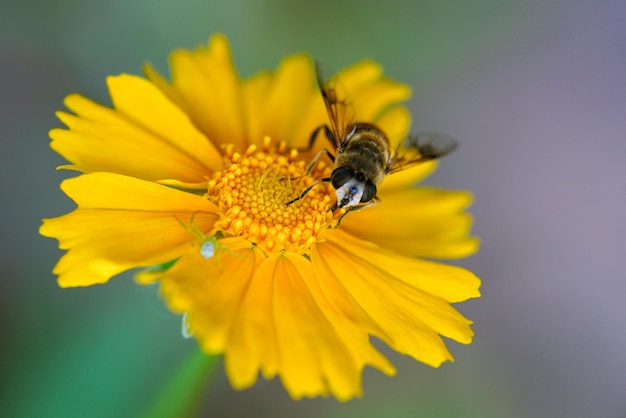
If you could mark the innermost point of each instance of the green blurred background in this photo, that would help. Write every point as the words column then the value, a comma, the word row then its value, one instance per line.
column 536, row 93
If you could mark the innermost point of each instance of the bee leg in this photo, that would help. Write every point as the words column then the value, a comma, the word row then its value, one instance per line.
column 372, row 202
column 314, row 135
column 317, row 157
column 308, row 189
column 290, row 178
column 313, row 162
column 312, row 139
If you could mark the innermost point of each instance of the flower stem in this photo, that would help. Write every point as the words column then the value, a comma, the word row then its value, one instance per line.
column 181, row 396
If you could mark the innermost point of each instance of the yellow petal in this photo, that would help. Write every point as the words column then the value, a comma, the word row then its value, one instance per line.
column 104, row 139
column 285, row 326
column 148, row 107
column 291, row 91
column 207, row 84
column 254, row 91
column 407, row 298
column 405, row 178
column 312, row 116
column 122, row 223
column 253, row 346
column 120, row 147
column 423, row 222
column 450, row 283
column 395, row 123
column 162, row 84
column 365, row 88
column 372, row 100
column 361, row 74
column 320, row 352
column 211, row 290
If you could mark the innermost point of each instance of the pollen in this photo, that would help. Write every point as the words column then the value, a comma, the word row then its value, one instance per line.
column 252, row 192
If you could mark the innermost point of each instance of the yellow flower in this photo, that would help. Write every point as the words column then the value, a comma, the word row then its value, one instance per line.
column 193, row 177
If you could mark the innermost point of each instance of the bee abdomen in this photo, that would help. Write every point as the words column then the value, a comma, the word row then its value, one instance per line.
column 367, row 151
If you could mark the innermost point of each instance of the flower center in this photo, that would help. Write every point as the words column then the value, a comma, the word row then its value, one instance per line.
column 254, row 188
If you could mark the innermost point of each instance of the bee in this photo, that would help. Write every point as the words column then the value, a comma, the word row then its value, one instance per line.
column 363, row 156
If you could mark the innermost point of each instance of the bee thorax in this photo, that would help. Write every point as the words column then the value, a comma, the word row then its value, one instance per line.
column 349, row 194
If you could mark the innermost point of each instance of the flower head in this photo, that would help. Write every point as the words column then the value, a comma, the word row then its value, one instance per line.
column 193, row 176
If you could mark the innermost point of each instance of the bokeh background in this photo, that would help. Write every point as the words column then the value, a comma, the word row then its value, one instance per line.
column 534, row 90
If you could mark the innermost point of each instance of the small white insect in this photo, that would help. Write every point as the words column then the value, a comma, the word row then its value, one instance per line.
column 209, row 243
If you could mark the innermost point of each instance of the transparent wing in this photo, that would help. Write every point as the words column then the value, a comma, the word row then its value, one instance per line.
column 340, row 112
column 421, row 147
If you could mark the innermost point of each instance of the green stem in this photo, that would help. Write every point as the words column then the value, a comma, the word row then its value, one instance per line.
column 182, row 394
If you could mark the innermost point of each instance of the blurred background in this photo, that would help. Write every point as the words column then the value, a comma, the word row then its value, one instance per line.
column 536, row 93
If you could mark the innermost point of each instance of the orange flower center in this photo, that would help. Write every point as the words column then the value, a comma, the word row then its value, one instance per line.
column 254, row 188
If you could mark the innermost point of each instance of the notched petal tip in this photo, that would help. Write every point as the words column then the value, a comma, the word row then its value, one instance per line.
column 408, row 299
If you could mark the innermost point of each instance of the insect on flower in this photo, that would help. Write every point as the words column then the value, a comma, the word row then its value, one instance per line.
column 185, row 179
column 363, row 156
column 209, row 244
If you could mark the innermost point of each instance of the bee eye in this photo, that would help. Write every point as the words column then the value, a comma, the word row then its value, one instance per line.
column 341, row 176
column 369, row 192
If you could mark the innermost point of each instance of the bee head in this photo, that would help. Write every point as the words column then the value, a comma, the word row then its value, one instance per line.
column 352, row 187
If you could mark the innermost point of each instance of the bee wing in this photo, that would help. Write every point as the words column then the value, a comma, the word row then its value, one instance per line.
column 420, row 147
column 340, row 112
